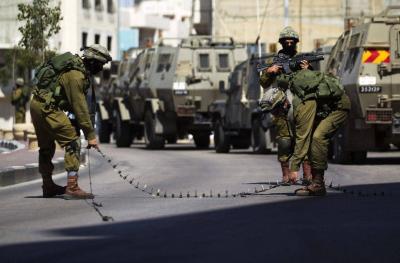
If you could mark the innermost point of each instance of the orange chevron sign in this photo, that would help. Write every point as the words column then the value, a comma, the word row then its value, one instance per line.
column 376, row 56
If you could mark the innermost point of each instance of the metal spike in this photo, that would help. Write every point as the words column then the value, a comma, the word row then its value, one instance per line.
column 188, row 195
column 119, row 171
column 165, row 194
column 173, row 195
column 195, row 193
column 137, row 185
column 219, row 195
column 226, row 193
column 203, row 195
column 180, row 195
column 158, row 192
column 131, row 181
column 211, row 193
column 114, row 166
column 109, row 160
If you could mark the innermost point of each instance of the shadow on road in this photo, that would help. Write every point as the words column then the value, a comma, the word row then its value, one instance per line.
column 337, row 228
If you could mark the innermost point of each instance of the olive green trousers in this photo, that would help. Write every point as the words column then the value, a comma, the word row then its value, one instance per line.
column 53, row 125
column 283, row 137
column 19, row 115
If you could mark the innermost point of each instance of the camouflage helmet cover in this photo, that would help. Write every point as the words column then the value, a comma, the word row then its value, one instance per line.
column 97, row 52
column 272, row 98
column 19, row 81
column 288, row 32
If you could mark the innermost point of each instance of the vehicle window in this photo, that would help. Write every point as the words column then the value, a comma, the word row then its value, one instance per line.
column 148, row 59
column 352, row 59
column 204, row 61
column 223, row 62
column 354, row 41
column 164, row 62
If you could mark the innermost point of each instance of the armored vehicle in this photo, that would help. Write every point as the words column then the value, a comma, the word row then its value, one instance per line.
column 238, row 121
column 367, row 60
column 170, row 88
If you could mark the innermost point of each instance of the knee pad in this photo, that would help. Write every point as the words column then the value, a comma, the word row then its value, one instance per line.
column 285, row 147
column 74, row 147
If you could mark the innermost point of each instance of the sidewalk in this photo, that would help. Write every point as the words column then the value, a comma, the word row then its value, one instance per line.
column 21, row 165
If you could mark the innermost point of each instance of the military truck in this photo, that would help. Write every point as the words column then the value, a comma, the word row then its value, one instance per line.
column 367, row 60
column 170, row 88
column 238, row 122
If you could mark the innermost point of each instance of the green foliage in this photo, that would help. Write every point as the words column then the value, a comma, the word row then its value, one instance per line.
column 41, row 22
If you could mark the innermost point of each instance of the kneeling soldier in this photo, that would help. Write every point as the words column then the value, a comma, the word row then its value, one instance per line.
column 61, row 87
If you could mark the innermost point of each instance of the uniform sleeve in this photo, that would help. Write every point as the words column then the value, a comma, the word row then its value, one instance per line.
column 304, row 116
column 266, row 80
column 73, row 83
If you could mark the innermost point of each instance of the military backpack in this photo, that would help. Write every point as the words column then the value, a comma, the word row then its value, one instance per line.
column 307, row 84
column 48, row 74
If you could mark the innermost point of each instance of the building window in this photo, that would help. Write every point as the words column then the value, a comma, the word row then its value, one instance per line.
column 85, row 4
column 223, row 62
column 110, row 6
column 204, row 62
column 97, row 39
column 84, row 39
column 98, row 6
column 109, row 43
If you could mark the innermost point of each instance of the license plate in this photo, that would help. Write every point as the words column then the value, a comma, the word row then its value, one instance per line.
column 370, row 89
column 180, row 92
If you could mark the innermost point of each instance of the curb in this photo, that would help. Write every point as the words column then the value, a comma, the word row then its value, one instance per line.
column 19, row 174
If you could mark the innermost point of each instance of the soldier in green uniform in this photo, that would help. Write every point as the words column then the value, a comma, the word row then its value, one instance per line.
column 279, row 105
column 61, row 87
column 320, row 108
column 19, row 97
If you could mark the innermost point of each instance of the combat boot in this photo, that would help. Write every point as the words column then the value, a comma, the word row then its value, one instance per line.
column 50, row 189
column 307, row 177
column 285, row 173
column 317, row 186
column 74, row 192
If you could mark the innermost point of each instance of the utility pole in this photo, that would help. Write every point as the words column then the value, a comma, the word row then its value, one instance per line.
column 286, row 13
column 259, row 27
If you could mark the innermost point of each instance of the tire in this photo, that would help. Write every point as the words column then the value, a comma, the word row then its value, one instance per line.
column 258, row 141
column 339, row 154
column 103, row 128
column 123, row 134
column 152, row 140
column 201, row 140
column 221, row 140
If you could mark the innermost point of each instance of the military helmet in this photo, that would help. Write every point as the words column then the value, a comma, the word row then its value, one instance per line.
column 272, row 98
column 288, row 32
column 97, row 52
column 19, row 81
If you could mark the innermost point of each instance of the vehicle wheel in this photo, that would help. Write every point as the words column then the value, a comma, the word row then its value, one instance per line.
column 103, row 128
column 258, row 141
column 359, row 157
column 123, row 135
column 221, row 140
column 152, row 140
column 202, row 140
column 339, row 154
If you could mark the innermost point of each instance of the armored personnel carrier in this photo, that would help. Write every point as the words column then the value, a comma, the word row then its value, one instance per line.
column 367, row 60
column 169, row 91
column 238, row 122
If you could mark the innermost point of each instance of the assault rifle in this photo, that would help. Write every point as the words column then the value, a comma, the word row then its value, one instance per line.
column 290, row 64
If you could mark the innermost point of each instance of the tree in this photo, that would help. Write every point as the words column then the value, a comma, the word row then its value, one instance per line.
column 41, row 22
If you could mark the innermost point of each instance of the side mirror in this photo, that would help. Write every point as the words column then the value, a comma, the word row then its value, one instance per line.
column 221, row 86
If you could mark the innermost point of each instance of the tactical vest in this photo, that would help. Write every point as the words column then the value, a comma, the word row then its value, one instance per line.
column 48, row 75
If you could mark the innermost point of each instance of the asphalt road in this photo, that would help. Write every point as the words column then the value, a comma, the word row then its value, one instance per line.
column 272, row 226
